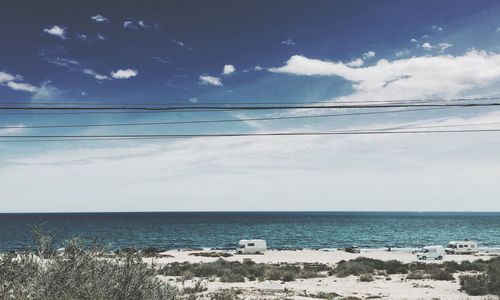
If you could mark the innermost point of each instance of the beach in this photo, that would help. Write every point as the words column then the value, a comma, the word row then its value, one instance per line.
column 386, row 286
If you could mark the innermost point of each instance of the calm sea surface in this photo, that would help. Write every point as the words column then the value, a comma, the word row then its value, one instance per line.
column 280, row 229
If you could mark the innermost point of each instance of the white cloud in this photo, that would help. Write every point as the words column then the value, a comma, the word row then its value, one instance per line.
column 95, row 74
column 46, row 91
column 101, row 177
column 228, row 69
column 56, row 31
column 358, row 62
column 5, row 77
column 142, row 24
column 124, row 74
column 368, row 55
column 414, row 41
column 402, row 52
column 14, row 129
column 210, row 80
column 415, row 77
column 81, row 36
column 444, row 46
column 23, row 87
column 12, row 81
column 177, row 42
column 129, row 24
column 427, row 46
column 288, row 42
column 257, row 68
column 62, row 61
column 440, row 46
column 100, row 37
column 436, row 28
column 99, row 18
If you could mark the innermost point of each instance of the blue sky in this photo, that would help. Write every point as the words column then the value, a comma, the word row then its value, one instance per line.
column 259, row 51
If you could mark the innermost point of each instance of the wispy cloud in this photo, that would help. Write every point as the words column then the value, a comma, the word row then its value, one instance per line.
column 412, row 78
column 95, row 74
column 57, row 31
column 177, row 42
column 288, row 42
column 210, row 80
column 440, row 46
column 436, row 28
column 228, row 69
column 402, row 52
column 17, row 83
column 129, row 24
column 99, row 18
column 6, row 77
column 124, row 74
column 358, row 62
column 161, row 59
column 23, row 87
column 46, row 91
column 133, row 24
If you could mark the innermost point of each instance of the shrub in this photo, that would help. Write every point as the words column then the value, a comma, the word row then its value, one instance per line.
column 225, row 294
column 232, row 277
column 416, row 275
column 237, row 272
column 211, row 254
column 78, row 274
column 474, row 285
column 439, row 274
column 395, row 267
column 366, row 278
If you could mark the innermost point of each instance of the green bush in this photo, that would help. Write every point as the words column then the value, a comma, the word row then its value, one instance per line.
column 474, row 285
column 416, row 275
column 78, row 273
column 439, row 274
column 366, row 278
column 237, row 272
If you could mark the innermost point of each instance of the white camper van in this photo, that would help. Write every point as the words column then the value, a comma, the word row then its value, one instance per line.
column 462, row 247
column 251, row 247
column 431, row 252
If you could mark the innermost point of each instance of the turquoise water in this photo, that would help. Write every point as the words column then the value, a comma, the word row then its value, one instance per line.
column 289, row 230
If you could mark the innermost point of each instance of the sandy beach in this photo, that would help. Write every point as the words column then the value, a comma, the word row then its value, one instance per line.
column 395, row 286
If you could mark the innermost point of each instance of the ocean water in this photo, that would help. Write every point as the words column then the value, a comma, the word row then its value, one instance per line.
column 290, row 230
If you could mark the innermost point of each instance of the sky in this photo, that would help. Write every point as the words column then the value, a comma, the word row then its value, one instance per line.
column 200, row 52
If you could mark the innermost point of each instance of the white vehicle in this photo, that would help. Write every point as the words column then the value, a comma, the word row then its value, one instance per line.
column 251, row 247
column 462, row 247
column 431, row 252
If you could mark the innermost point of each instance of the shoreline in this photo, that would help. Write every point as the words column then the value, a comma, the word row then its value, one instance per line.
column 311, row 256
column 380, row 285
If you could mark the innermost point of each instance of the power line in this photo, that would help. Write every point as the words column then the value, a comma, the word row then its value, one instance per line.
column 221, row 120
column 263, row 102
column 256, row 107
column 39, row 138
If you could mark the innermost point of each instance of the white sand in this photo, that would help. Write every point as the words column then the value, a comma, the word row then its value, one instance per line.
column 311, row 256
column 396, row 288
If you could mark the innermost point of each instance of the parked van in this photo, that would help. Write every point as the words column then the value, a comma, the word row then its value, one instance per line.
column 431, row 252
column 251, row 247
column 462, row 247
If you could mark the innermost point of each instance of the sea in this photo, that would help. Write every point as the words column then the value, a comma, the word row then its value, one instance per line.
column 281, row 230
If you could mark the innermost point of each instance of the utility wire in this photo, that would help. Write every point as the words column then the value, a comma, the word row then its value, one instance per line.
column 256, row 107
column 220, row 120
column 262, row 102
column 39, row 138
